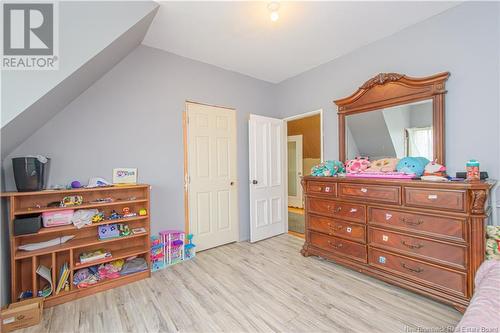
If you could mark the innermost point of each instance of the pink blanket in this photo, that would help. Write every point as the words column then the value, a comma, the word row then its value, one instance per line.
column 483, row 313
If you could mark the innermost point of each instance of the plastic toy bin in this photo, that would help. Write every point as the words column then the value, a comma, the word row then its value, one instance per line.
column 57, row 218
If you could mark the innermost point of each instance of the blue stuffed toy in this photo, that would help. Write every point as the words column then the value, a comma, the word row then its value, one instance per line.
column 328, row 169
column 414, row 165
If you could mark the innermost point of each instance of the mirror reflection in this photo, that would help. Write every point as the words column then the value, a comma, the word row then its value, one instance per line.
column 399, row 131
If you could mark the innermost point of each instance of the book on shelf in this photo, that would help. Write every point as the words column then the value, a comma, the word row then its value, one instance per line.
column 90, row 256
column 46, row 274
column 63, row 277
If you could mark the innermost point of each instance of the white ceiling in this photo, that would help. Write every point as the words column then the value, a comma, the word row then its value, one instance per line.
column 239, row 36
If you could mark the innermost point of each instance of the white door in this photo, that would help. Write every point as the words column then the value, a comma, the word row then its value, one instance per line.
column 212, row 179
column 267, row 188
column 295, row 170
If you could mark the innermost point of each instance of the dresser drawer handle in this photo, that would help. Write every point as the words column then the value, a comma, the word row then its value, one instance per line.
column 432, row 197
column 414, row 270
column 335, row 209
column 335, row 246
column 364, row 190
column 412, row 246
column 411, row 222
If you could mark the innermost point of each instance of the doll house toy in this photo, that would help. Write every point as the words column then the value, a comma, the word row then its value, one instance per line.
column 157, row 254
column 173, row 246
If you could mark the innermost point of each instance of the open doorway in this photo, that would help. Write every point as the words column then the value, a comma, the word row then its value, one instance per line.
column 304, row 150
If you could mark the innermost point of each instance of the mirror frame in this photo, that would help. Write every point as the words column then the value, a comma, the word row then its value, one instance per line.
column 392, row 89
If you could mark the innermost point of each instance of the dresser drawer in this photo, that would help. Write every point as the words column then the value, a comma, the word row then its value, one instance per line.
column 429, row 274
column 345, row 211
column 449, row 228
column 337, row 228
column 443, row 253
column 339, row 246
column 429, row 198
column 313, row 187
column 379, row 193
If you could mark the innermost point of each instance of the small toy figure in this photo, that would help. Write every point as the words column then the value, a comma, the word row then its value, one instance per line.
column 99, row 217
column 124, row 230
column 127, row 213
column 72, row 200
column 114, row 215
column 143, row 212
column 189, row 248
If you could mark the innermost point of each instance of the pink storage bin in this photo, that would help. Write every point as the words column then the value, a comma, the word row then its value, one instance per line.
column 57, row 218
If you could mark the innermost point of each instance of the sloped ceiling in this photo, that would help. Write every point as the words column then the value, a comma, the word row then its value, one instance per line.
column 93, row 37
column 239, row 36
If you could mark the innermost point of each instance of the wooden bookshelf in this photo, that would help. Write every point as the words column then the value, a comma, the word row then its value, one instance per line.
column 25, row 263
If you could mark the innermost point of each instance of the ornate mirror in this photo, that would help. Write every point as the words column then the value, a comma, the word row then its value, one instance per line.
column 394, row 115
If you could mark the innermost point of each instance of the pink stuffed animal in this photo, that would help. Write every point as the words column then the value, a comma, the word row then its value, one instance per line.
column 357, row 165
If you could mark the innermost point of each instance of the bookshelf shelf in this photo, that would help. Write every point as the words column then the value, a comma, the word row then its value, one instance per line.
column 25, row 263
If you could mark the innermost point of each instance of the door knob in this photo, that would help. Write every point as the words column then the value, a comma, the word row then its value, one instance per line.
column 254, row 182
column 231, row 183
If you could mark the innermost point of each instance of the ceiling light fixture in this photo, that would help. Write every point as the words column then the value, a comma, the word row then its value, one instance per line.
column 273, row 8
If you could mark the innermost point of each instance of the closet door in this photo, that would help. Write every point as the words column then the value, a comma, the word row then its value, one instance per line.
column 212, row 180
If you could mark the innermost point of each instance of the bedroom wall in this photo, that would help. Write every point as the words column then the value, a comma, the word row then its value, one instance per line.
column 132, row 117
column 462, row 40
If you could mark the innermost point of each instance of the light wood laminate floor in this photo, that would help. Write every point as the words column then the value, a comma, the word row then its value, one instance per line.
column 263, row 287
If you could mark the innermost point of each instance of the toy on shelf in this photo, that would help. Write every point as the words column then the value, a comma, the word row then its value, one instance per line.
column 76, row 184
column 124, row 230
column 157, row 254
column 114, row 215
column 108, row 231
column 72, row 200
column 99, row 217
column 143, row 212
column 189, row 248
column 127, row 213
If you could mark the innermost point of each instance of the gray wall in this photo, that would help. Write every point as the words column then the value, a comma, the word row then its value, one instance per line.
column 132, row 117
column 463, row 40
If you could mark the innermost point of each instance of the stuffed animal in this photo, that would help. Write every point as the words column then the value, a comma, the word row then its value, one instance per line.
column 328, row 169
column 434, row 172
column 412, row 165
column 434, row 168
column 357, row 165
column 383, row 165
column 492, row 242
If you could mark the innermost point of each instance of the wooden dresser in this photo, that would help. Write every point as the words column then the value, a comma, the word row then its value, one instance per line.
column 427, row 237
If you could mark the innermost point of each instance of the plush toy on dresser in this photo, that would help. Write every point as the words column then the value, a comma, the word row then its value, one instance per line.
column 412, row 165
column 358, row 164
column 383, row 165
